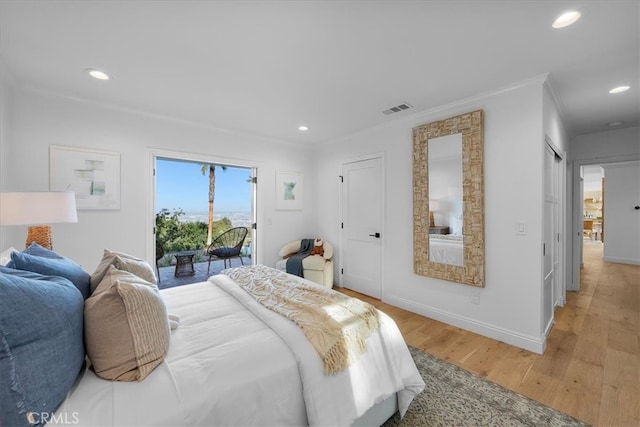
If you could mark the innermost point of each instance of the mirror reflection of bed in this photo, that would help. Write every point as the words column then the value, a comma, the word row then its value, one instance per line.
column 446, row 249
column 445, row 200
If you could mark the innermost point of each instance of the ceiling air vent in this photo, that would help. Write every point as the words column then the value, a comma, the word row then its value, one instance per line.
column 397, row 108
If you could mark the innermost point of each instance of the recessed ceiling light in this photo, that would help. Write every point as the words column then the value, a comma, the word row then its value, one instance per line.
column 97, row 74
column 566, row 19
column 619, row 89
column 612, row 124
column 303, row 128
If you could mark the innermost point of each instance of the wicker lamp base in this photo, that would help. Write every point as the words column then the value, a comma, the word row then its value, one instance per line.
column 432, row 222
column 40, row 234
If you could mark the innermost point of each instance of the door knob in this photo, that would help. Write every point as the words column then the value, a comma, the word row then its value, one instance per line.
column 377, row 235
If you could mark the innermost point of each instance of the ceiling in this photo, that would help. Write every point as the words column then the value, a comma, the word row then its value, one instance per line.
column 266, row 67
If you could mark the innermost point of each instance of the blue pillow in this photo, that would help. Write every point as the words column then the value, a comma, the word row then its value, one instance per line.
column 31, row 275
column 41, row 347
column 37, row 250
column 55, row 267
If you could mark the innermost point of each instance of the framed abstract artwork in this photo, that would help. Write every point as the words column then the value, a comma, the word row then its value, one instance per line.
column 94, row 176
column 289, row 191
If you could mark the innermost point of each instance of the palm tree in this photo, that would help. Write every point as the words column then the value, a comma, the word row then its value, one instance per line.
column 212, row 192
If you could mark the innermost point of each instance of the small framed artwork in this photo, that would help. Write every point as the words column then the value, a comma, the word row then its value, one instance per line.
column 93, row 175
column 289, row 191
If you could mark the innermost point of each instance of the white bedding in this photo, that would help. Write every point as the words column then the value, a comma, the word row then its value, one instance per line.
column 446, row 251
column 225, row 366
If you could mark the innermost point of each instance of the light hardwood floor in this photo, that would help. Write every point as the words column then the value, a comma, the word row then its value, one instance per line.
column 591, row 367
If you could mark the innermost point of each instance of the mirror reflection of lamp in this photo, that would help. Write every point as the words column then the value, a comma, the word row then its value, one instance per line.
column 35, row 208
column 434, row 206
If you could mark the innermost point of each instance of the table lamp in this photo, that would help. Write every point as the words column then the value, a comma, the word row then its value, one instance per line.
column 38, row 208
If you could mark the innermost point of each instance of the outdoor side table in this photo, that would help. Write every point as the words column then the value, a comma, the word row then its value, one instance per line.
column 184, row 263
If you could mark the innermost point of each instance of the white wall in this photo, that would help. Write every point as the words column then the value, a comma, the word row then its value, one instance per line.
column 6, row 79
column 622, row 194
column 6, row 235
column 42, row 119
column 509, row 306
column 553, row 123
column 607, row 145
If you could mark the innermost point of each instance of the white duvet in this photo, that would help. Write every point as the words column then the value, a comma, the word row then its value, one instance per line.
column 233, row 362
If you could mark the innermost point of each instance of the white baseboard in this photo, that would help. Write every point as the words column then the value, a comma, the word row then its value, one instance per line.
column 621, row 260
column 527, row 342
column 547, row 331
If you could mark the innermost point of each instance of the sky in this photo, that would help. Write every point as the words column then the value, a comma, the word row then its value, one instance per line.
column 181, row 184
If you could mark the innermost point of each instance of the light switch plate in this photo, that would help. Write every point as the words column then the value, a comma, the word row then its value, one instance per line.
column 521, row 228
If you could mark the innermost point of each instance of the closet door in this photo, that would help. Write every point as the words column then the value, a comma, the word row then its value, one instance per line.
column 552, row 289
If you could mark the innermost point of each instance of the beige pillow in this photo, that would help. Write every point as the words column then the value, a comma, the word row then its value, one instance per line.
column 140, row 268
column 137, row 266
column 126, row 328
column 114, row 274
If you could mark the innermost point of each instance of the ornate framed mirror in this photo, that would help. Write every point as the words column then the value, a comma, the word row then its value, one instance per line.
column 448, row 199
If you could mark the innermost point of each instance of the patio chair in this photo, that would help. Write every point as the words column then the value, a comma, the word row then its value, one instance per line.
column 227, row 245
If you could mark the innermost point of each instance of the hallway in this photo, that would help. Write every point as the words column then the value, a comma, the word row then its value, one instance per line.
column 605, row 318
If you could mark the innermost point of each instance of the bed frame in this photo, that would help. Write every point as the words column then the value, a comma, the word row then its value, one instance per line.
column 378, row 414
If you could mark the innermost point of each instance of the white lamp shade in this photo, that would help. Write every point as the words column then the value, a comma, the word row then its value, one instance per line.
column 45, row 207
column 434, row 205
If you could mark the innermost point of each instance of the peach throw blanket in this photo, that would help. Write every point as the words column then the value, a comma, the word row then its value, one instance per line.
column 335, row 324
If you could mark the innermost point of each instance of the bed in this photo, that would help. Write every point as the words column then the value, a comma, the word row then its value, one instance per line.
column 231, row 361
column 446, row 249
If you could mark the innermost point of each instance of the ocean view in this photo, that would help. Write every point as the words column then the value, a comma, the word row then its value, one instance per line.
column 238, row 218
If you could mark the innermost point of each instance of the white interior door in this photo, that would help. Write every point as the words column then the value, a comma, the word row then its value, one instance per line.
column 622, row 213
column 361, row 248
